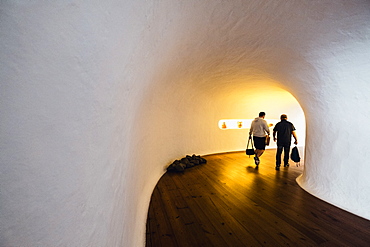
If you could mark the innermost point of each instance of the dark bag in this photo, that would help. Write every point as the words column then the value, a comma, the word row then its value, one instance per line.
column 250, row 151
column 295, row 156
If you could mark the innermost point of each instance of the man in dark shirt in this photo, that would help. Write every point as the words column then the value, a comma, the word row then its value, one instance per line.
column 284, row 130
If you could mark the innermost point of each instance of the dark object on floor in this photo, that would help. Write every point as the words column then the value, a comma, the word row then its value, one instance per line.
column 186, row 162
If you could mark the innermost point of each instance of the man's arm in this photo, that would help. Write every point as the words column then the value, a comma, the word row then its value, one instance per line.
column 251, row 129
column 267, row 129
column 274, row 135
column 295, row 137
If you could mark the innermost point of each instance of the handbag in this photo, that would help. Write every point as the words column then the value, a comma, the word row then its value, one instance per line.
column 267, row 141
column 295, row 156
column 250, row 151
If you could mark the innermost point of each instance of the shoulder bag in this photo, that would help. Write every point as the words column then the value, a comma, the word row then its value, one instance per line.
column 250, row 151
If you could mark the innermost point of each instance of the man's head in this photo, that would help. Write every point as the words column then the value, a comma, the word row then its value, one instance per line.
column 283, row 117
column 262, row 114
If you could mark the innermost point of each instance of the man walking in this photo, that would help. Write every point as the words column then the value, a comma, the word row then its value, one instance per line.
column 285, row 130
column 259, row 129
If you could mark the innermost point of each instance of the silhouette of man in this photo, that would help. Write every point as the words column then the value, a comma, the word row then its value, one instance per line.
column 283, row 130
column 259, row 129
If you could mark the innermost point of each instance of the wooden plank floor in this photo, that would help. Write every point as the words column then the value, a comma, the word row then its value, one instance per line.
column 227, row 202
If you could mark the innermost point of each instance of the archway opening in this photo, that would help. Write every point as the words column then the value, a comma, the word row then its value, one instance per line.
column 240, row 108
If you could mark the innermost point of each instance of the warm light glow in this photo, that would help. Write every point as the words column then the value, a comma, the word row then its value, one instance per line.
column 241, row 123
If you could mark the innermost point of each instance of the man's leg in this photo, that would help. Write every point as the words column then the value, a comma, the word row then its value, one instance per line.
column 258, row 143
column 259, row 152
column 286, row 155
column 279, row 150
column 256, row 159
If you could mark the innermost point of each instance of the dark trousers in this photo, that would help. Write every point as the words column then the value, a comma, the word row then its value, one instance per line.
column 286, row 154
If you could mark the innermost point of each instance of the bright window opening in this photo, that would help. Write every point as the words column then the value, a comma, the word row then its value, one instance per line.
column 226, row 124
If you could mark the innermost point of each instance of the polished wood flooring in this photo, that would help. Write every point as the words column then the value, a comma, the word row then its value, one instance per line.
column 227, row 202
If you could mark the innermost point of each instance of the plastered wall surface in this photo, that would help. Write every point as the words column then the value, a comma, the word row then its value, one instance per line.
column 97, row 98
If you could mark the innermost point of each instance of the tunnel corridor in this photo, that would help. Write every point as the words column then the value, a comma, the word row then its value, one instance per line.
column 98, row 98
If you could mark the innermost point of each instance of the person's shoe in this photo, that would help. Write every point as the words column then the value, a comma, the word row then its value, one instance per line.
column 256, row 160
column 286, row 165
column 277, row 168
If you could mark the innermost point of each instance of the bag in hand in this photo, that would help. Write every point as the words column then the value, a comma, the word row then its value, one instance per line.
column 267, row 141
column 295, row 156
column 250, row 151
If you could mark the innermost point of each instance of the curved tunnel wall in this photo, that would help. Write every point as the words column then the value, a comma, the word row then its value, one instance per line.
column 96, row 99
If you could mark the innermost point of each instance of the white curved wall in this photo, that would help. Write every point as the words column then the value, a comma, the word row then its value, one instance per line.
column 96, row 99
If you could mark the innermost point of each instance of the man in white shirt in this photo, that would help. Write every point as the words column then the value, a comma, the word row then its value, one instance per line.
column 259, row 129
